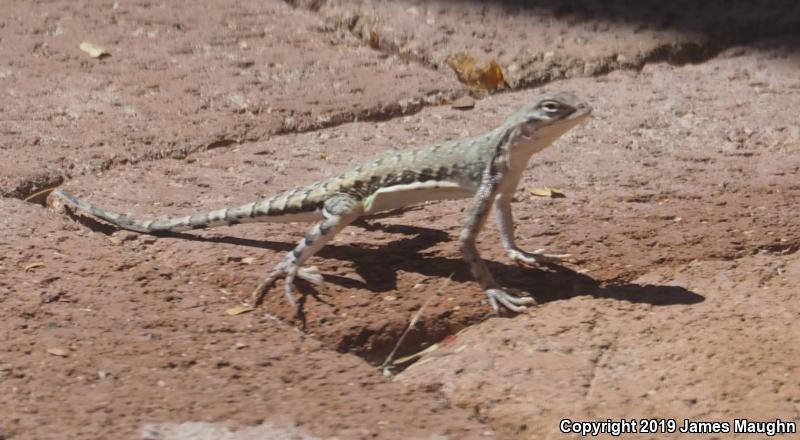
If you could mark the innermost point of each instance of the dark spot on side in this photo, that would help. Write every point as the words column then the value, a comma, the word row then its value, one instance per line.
column 296, row 252
column 308, row 205
column 261, row 210
column 389, row 179
column 426, row 174
column 289, row 209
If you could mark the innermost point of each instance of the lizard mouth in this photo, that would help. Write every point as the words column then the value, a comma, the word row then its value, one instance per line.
column 579, row 113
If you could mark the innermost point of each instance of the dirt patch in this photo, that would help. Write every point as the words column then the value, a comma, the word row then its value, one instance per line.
column 101, row 342
column 686, row 175
column 680, row 215
column 178, row 81
column 541, row 41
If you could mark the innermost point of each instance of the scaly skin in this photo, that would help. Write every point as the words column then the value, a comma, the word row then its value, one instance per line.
column 486, row 168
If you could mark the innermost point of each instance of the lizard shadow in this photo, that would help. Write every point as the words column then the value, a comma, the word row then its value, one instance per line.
column 545, row 283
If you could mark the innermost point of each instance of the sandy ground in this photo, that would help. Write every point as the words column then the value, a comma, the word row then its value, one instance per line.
column 680, row 300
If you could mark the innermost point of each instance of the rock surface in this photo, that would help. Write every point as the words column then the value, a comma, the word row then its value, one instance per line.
column 679, row 300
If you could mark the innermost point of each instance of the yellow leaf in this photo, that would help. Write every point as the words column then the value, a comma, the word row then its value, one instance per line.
column 552, row 193
column 238, row 310
column 93, row 50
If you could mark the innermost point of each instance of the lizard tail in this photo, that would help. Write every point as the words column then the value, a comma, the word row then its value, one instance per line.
column 122, row 220
column 272, row 209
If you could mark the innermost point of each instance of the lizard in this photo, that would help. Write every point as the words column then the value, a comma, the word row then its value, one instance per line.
column 486, row 168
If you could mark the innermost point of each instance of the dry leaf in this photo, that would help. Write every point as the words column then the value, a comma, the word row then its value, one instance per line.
column 58, row 351
column 553, row 193
column 34, row 265
column 238, row 310
column 483, row 79
column 93, row 50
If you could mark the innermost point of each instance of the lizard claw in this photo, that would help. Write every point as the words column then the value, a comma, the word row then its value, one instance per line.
column 311, row 274
column 288, row 271
column 536, row 257
column 510, row 301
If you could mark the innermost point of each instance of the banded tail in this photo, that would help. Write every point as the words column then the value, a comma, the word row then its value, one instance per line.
column 291, row 206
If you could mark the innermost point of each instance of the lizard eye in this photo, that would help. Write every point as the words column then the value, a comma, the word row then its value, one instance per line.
column 550, row 106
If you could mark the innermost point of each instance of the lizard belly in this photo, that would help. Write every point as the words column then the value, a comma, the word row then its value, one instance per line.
column 399, row 196
column 300, row 217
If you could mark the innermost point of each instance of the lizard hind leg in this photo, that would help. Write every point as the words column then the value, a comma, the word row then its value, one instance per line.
column 339, row 210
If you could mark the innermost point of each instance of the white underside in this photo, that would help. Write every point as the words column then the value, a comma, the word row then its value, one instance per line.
column 385, row 199
column 400, row 196
column 302, row 217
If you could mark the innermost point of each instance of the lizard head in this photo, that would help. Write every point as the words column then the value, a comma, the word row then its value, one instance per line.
column 549, row 116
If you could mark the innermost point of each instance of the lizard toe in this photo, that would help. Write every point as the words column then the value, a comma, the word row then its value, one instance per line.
column 510, row 301
column 536, row 257
column 312, row 275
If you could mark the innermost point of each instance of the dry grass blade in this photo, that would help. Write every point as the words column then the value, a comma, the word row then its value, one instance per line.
column 414, row 319
column 34, row 265
column 413, row 357
column 40, row 197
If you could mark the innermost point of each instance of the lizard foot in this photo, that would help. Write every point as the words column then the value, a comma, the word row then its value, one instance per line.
column 510, row 301
column 289, row 271
column 536, row 257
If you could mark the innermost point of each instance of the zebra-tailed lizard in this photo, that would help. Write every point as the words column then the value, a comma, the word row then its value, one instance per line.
column 486, row 168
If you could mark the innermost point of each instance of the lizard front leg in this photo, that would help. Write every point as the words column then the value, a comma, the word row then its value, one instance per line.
column 476, row 218
column 339, row 210
column 505, row 222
